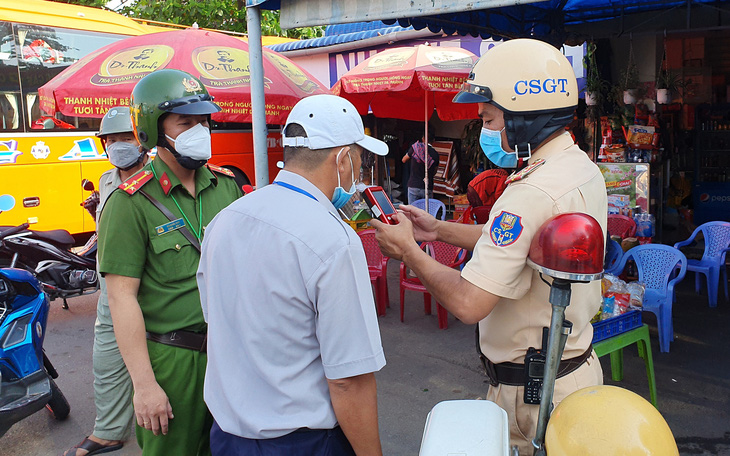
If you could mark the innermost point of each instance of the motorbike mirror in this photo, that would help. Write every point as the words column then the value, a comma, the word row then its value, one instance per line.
column 7, row 202
column 88, row 185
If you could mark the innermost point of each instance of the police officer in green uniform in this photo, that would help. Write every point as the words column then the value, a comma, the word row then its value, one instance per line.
column 149, row 253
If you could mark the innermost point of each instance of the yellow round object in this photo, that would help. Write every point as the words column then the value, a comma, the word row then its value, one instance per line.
column 608, row 421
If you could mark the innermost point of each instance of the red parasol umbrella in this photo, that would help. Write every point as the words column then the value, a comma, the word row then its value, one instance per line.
column 409, row 83
column 106, row 77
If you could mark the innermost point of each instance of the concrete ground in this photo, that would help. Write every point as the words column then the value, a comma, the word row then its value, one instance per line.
column 427, row 365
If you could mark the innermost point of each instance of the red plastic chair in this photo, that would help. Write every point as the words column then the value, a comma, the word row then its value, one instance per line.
column 447, row 254
column 620, row 225
column 377, row 267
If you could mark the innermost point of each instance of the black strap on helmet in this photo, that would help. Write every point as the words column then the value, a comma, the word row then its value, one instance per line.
column 526, row 132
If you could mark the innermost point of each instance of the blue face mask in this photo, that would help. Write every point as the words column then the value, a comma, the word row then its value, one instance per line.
column 341, row 197
column 491, row 143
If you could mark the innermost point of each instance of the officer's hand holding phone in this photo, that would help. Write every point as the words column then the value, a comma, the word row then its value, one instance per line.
column 394, row 240
column 425, row 225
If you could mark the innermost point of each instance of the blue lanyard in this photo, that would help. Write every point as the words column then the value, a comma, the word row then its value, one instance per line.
column 296, row 189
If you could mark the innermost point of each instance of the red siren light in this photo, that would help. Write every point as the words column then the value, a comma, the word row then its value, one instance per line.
column 569, row 246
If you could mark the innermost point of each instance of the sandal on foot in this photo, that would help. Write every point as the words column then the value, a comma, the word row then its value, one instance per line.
column 93, row 447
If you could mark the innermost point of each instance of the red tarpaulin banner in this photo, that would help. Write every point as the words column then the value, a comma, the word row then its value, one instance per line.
column 105, row 78
column 394, row 82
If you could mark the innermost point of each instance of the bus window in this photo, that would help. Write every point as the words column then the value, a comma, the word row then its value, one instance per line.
column 44, row 52
column 9, row 85
column 9, row 114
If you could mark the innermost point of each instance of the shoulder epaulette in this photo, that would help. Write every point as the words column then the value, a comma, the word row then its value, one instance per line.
column 524, row 172
column 221, row 170
column 136, row 181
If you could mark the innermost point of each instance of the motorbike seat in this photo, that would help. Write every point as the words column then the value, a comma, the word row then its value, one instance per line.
column 60, row 238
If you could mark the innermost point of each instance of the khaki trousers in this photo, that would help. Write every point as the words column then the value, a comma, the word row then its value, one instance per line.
column 523, row 417
column 112, row 384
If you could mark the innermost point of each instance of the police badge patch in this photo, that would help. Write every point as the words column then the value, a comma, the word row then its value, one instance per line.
column 506, row 229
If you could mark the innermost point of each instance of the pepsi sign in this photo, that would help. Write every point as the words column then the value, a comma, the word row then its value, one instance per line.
column 711, row 202
column 707, row 198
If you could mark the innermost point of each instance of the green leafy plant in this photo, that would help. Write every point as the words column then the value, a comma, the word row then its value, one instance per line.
column 621, row 114
column 629, row 77
column 670, row 80
column 594, row 83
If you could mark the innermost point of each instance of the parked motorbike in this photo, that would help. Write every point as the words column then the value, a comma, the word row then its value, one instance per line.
column 64, row 273
column 26, row 374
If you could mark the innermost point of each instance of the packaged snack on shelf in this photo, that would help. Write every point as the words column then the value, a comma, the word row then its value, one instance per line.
column 620, row 203
column 615, row 153
column 640, row 135
column 636, row 291
column 617, row 286
column 607, row 282
column 607, row 310
column 621, row 303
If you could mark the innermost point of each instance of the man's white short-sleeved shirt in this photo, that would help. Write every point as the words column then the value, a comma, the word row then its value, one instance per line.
column 286, row 293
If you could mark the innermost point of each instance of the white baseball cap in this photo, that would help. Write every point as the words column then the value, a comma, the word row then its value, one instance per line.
column 329, row 121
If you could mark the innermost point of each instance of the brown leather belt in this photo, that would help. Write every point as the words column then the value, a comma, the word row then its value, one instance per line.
column 181, row 339
column 514, row 374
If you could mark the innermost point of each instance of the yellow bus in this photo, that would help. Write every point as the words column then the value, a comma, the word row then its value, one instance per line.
column 44, row 157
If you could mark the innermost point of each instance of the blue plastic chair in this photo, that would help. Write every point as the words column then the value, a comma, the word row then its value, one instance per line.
column 434, row 206
column 712, row 263
column 612, row 260
column 660, row 268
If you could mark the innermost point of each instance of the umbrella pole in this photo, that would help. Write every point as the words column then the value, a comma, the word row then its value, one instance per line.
column 258, row 100
column 425, row 141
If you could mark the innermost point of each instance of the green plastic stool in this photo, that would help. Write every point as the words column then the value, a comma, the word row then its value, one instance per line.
column 615, row 345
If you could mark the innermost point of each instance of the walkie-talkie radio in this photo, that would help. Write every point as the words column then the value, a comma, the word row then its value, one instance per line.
column 535, row 371
column 534, row 374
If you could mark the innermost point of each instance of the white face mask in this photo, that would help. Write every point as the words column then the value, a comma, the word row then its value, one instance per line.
column 193, row 143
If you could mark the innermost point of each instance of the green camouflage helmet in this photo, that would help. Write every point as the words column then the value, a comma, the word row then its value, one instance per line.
column 116, row 120
column 164, row 91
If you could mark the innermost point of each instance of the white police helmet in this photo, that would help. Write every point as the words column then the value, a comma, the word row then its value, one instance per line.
column 532, row 82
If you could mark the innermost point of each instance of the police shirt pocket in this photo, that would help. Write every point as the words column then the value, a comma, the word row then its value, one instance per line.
column 176, row 257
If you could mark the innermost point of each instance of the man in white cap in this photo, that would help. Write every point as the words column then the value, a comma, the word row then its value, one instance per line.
column 293, row 339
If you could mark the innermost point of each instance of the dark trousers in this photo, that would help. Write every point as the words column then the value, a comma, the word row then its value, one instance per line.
column 303, row 442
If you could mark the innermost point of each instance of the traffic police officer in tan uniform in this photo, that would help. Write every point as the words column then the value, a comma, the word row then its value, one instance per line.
column 149, row 249
column 527, row 91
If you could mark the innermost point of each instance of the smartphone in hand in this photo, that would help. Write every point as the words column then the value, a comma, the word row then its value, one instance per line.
column 380, row 205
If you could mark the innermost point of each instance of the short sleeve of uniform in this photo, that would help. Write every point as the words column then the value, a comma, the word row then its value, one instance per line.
column 498, row 263
column 122, row 237
column 346, row 323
